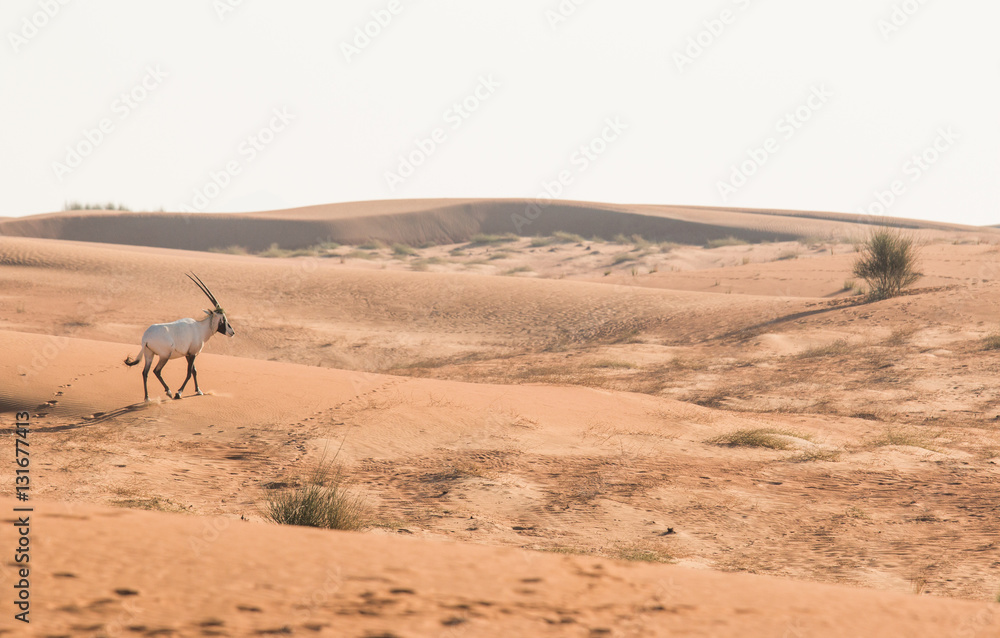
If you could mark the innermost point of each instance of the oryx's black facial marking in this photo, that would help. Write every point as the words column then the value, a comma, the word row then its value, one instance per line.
column 223, row 325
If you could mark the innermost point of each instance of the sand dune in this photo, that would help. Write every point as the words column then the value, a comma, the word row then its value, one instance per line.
column 317, row 310
column 418, row 222
column 242, row 579
column 583, row 406
column 568, row 468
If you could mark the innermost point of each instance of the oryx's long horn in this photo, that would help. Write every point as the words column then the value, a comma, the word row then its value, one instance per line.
column 198, row 282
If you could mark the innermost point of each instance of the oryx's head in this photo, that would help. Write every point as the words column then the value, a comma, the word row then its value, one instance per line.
column 220, row 323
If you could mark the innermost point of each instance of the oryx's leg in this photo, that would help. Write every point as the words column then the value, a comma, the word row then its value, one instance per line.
column 159, row 366
column 145, row 375
column 194, row 375
column 191, row 373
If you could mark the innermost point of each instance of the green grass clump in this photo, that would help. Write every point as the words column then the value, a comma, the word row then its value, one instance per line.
column 621, row 259
column 373, row 244
column 519, row 269
column 484, row 239
column 324, row 501
column 402, row 250
column 642, row 554
column 887, row 262
column 424, row 264
column 567, row 238
column 360, row 254
column 230, row 250
column 274, row 251
column 725, row 241
column 759, row 437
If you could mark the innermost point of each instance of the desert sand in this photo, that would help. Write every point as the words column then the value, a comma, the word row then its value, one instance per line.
column 537, row 424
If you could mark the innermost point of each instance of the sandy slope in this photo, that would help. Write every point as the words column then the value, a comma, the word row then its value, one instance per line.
column 319, row 311
column 224, row 577
column 562, row 468
column 573, row 415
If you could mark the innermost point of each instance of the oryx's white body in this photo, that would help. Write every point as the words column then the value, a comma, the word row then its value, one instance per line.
column 181, row 338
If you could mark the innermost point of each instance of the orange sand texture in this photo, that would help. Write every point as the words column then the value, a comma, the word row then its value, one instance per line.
column 533, row 423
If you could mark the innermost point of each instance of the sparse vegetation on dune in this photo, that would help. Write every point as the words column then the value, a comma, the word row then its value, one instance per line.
column 402, row 250
column 991, row 341
column 758, row 437
column 485, row 239
column 324, row 501
column 887, row 262
column 230, row 250
column 75, row 205
column 518, row 270
column 725, row 241
column 835, row 348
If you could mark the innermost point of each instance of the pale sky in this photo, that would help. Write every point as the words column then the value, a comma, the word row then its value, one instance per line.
column 881, row 106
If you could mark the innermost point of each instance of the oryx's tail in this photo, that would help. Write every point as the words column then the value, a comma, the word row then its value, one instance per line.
column 129, row 361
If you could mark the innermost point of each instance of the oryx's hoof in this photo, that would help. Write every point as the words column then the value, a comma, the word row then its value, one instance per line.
column 177, row 396
column 200, row 393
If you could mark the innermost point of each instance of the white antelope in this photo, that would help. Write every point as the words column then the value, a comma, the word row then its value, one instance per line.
column 181, row 338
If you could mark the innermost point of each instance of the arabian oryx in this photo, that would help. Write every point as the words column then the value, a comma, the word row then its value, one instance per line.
column 181, row 338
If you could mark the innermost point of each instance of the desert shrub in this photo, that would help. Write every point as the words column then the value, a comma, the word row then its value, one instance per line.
column 992, row 341
column 323, row 501
column 887, row 262
column 402, row 250
column 273, row 251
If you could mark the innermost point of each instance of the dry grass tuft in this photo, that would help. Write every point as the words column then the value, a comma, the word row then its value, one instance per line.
column 991, row 342
column 906, row 438
column 642, row 553
column 758, row 437
column 834, row 349
column 816, row 454
column 324, row 501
